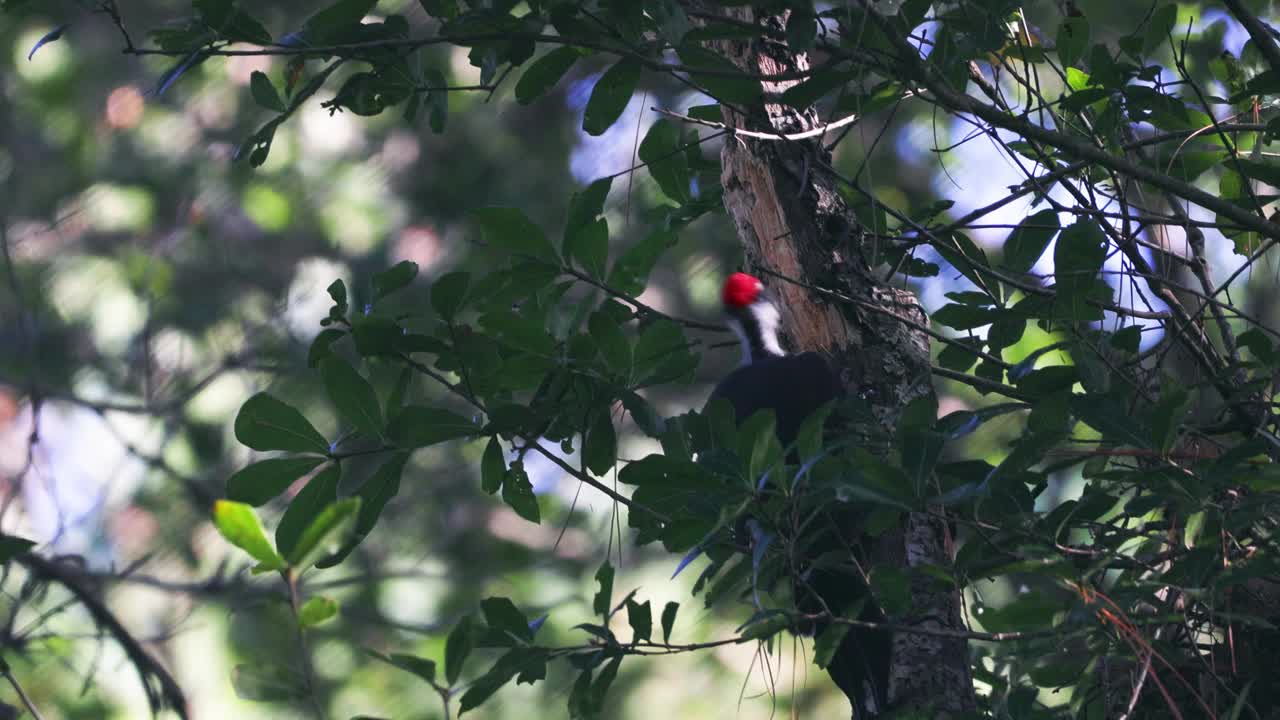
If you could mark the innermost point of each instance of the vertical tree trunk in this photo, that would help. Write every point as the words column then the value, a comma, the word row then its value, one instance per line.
column 793, row 222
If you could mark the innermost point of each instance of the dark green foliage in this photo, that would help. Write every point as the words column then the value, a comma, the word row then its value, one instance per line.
column 1105, row 455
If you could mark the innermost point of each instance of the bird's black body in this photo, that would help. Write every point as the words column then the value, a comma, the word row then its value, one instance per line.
column 793, row 387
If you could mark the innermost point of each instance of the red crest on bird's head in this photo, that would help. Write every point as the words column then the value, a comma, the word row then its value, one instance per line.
column 740, row 290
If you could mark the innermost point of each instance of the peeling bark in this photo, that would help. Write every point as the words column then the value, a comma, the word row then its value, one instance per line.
column 794, row 223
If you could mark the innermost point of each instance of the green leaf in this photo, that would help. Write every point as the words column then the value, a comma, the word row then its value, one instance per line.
column 374, row 495
column 493, row 466
column 603, row 600
column 640, row 617
column 258, row 483
column 612, row 343
column 417, row 426
column 338, row 291
column 1078, row 257
column 603, row 681
column 660, row 151
column 1159, row 27
column 449, row 294
column 1047, row 380
column 881, row 96
column 1127, row 339
column 1265, row 172
column 376, row 335
column 517, row 492
column 1109, row 418
column 644, row 415
column 511, row 230
column 264, row 682
column 339, row 19
column 457, row 648
column 966, row 257
column 724, row 81
column 544, row 73
column 516, row 331
column 669, row 620
column 437, row 100
column 320, row 346
column 815, row 88
column 327, row 533
column 394, row 278
column 368, row 94
column 12, row 546
column 964, row 317
column 422, row 667
column 443, row 9
column 1194, row 527
column 758, row 445
column 501, row 614
column 610, row 96
column 396, row 396
column 265, row 423
column 352, row 395
column 1027, row 242
column 231, row 22
column 492, row 681
column 802, row 27
column 240, row 526
column 587, row 204
column 1167, row 414
column 264, row 93
column 1073, row 39
column 589, row 245
column 630, row 273
column 316, row 610
column 600, row 448
column 319, row 492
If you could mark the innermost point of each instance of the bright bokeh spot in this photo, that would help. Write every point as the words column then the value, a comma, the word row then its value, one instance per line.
column 267, row 207
column 125, row 106
column 119, row 208
column 308, row 300
column 167, row 134
column 329, row 135
column 50, row 60
column 220, row 399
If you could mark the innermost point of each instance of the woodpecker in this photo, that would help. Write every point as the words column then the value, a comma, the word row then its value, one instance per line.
column 794, row 386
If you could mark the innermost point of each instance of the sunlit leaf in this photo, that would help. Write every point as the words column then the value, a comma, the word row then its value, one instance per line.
column 266, row 682
column 319, row 492
column 238, row 524
column 327, row 533
column 317, row 610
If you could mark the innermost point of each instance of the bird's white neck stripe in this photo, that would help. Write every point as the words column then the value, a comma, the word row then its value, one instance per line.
column 759, row 336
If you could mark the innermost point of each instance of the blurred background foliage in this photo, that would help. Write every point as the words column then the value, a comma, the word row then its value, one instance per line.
column 153, row 284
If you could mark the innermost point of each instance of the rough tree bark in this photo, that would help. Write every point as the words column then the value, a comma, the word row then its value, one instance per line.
column 794, row 223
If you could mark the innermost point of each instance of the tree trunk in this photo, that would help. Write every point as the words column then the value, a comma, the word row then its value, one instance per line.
column 794, row 223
